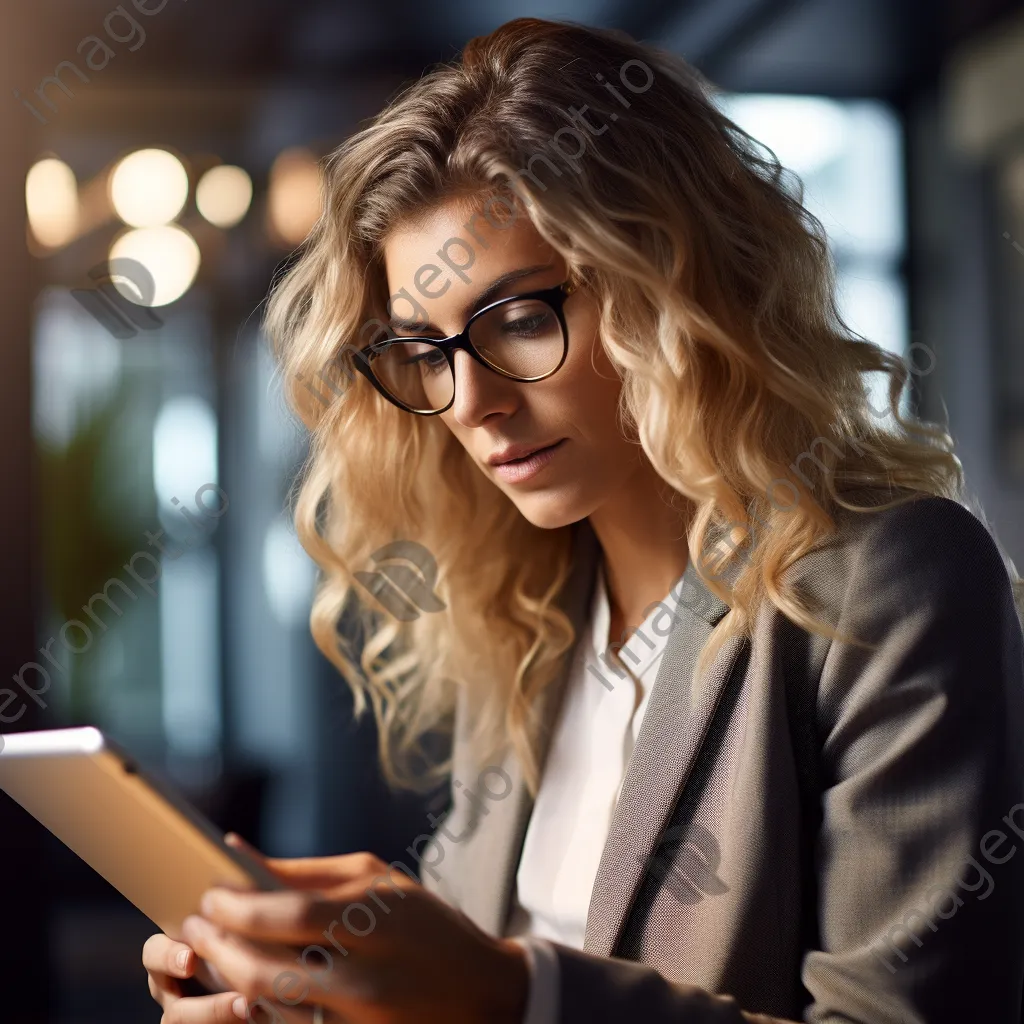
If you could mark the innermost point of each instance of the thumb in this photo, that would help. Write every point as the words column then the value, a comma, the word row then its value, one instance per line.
column 235, row 840
column 272, row 864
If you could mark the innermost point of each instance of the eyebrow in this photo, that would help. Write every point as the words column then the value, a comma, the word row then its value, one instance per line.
column 489, row 294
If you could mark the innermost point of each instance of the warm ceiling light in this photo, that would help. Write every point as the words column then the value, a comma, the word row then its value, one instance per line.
column 51, row 199
column 169, row 253
column 223, row 195
column 294, row 194
column 148, row 188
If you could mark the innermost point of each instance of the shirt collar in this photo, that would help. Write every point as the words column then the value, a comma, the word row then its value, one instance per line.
column 688, row 593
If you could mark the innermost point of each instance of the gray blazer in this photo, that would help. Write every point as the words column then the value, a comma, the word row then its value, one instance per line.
column 818, row 832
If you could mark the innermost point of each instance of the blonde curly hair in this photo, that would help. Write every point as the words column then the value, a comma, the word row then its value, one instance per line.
column 717, row 306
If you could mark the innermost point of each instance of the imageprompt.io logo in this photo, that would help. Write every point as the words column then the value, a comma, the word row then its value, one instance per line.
column 405, row 579
column 107, row 303
column 689, row 873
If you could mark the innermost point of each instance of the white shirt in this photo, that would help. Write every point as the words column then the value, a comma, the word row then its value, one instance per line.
column 597, row 728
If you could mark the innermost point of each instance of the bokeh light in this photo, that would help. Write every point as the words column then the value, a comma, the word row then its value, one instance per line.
column 223, row 195
column 294, row 195
column 51, row 200
column 169, row 253
column 148, row 188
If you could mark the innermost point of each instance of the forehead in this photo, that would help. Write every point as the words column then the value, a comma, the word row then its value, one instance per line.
column 462, row 243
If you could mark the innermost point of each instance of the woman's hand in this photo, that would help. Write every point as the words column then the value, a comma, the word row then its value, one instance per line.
column 361, row 939
column 166, row 961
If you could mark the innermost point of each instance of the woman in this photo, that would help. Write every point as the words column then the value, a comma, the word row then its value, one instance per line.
column 733, row 675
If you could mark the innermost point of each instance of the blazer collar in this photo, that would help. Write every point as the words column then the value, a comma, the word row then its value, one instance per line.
column 679, row 712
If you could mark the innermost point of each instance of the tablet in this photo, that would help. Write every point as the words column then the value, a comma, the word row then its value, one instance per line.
column 146, row 840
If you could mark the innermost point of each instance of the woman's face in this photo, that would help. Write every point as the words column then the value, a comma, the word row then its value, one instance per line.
column 568, row 421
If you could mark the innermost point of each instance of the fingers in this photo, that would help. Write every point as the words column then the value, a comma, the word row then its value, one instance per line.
column 273, row 1012
column 301, row 872
column 162, row 955
column 243, row 966
column 320, row 872
column 207, row 975
column 297, row 915
column 258, row 973
column 230, row 1008
column 217, row 1009
column 166, row 960
column 163, row 990
column 235, row 840
column 289, row 916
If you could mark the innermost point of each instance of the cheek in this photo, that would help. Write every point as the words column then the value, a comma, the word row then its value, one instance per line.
column 592, row 387
column 587, row 358
column 458, row 432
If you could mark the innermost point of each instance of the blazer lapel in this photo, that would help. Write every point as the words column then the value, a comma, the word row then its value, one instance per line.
column 487, row 869
column 490, row 867
column 670, row 736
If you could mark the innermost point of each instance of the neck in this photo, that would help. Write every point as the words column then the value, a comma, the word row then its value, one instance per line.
column 643, row 541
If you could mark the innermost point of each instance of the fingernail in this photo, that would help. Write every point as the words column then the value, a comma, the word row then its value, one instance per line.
column 238, row 1008
column 183, row 959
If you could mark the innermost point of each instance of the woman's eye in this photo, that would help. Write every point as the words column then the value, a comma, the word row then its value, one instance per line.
column 431, row 362
column 526, row 325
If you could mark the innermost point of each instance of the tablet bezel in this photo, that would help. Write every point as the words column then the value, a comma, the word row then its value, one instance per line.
column 93, row 743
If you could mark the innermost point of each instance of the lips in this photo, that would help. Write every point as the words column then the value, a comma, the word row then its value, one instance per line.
column 516, row 452
column 528, row 467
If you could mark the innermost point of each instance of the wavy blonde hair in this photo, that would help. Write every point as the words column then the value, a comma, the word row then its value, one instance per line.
column 716, row 297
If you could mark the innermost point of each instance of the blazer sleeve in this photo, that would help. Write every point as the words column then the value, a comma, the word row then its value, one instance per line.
column 919, row 882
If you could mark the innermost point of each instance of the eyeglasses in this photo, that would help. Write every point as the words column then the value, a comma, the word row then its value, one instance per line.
column 523, row 338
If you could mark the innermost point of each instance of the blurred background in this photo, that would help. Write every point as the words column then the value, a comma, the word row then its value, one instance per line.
column 182, row 136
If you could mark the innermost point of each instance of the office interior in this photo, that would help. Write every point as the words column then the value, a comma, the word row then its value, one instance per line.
column 903, row 119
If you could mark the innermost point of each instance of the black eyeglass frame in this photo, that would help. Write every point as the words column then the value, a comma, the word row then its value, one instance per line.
column 554, row 297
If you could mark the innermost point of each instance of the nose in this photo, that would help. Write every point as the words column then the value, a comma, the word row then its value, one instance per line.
column 481, row 392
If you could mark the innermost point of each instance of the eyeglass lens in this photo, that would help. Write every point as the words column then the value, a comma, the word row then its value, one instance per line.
column 523, row 338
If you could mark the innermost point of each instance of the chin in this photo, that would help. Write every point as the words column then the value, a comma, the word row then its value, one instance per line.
column 551, row 513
